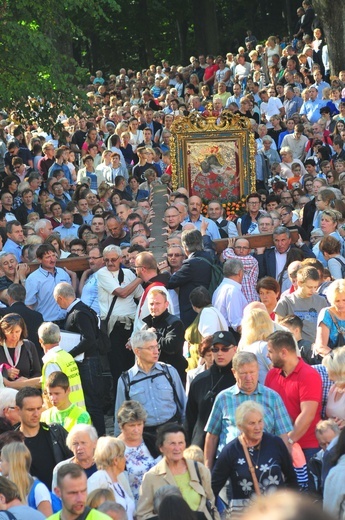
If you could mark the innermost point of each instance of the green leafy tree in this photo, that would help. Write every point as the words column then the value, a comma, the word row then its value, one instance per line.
column 38, row 73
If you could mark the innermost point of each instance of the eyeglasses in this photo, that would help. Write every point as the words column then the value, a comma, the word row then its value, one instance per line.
column 94, row 257
column 253, row 203
column 176, row 255
column 79, row 250
column 137, row 266
column 329, row 176
column 215, row 350
column 285, row 214
column 111, row 260
column 151, row 348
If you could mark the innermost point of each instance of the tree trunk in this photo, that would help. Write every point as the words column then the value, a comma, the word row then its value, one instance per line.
column 182, row 29
column 332, row 15
column 288, row 17
column 205, row 26
column 146, row 30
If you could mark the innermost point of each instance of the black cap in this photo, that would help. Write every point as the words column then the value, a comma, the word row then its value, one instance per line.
column 224, row 337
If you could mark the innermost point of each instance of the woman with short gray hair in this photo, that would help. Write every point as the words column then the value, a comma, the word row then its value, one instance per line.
column 82, row 441
column 141, row 453
column 271, row 154
column 256, row 462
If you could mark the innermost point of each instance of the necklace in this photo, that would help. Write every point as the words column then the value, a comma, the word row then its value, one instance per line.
column 119, row 491
column 251, row 451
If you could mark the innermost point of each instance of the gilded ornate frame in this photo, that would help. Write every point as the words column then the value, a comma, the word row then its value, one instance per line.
column 214, row 133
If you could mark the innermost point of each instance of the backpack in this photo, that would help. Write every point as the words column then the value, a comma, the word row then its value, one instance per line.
column 342, row 266
column 217, row 275
column 56, row 502
column 165, row 372
column 9, row 515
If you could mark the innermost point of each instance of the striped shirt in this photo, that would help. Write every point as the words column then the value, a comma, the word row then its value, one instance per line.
column 222, row 418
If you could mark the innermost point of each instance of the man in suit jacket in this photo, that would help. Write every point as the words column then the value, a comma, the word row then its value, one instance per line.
column 27, row 207
column 310, row 207
column 193, row 272
column 154, row 125
column 16, row 295
column 272, row 261
column 83, row 320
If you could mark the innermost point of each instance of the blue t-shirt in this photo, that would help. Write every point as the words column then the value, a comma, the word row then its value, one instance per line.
column 325, row 318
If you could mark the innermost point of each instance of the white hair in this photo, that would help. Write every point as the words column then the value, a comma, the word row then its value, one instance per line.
column 7, row 398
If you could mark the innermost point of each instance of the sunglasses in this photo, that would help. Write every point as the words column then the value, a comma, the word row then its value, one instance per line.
column 215, row 350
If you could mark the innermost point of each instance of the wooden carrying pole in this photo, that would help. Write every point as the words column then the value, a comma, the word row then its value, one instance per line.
column 263, row 240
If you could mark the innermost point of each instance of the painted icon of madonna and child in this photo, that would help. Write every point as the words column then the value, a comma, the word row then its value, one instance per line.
column 213, row 169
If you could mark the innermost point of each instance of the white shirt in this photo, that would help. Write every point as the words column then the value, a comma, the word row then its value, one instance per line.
column 107, row 283
column 271, row 108
column 121, row 489
column 211, row 321
column 280, row 262
column 230, row 301
column 297, row 146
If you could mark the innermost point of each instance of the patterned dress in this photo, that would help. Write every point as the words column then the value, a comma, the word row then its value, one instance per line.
column 138, row 462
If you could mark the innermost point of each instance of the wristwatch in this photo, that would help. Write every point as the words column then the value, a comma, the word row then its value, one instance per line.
column 290, row 441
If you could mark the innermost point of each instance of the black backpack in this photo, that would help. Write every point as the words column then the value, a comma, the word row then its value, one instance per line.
column 342, row 266
column 165, row 372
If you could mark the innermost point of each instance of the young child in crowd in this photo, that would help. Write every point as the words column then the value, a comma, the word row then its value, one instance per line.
column 62, row 411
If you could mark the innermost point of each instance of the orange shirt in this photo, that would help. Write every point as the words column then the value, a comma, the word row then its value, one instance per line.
column 292, row 181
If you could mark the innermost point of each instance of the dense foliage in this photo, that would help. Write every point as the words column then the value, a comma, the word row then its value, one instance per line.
column 48, row 49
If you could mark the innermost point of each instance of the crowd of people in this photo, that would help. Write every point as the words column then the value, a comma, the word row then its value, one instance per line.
column 226, row 369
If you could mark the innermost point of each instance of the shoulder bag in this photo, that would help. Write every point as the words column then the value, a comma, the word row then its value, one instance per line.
column 210, row 508
column 250, row 465
column 104, row 344
column 340, row 339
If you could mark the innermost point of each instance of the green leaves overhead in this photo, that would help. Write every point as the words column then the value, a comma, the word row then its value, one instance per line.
column 36, row 53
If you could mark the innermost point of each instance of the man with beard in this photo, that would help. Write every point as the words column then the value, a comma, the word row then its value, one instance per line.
column 300, row 388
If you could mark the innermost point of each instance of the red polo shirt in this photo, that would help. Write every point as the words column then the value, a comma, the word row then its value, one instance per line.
column 303, row 384
column 210, row 70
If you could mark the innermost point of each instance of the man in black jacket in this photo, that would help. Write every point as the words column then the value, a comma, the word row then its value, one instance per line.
column 169, row 330
column 47, row 444
column 83, row 320
column 149, row 123
column 310, row 208
column 193, row 272
column 207, row 385
column 16, row 295
column 28, row 206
